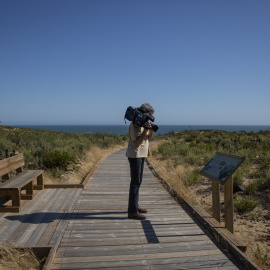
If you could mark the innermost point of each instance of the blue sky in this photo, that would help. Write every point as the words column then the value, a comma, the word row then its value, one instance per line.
column 86, row 61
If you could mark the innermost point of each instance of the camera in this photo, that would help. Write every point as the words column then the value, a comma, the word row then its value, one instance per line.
column 140, row 117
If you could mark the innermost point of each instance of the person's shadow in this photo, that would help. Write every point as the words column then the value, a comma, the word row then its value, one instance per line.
column 48, row 217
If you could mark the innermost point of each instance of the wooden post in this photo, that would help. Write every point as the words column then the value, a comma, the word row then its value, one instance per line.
column 40, row 181
column 19, row 170
column 16, row 198
column 6, row 177
column 228, row 202
column 216, row 200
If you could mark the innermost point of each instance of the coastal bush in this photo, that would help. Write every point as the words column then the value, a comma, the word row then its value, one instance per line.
column 238, row 176
column 262, row 259
column 193, row 149
column 179, row 161
column 51, row 149
column 57, row 159
column 267, row 180
column 192, row 158
column 254, row 186
column 166, row 150
column 193, row 177
column 245, row 204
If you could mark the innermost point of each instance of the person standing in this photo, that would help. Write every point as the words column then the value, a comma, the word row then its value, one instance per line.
column 137, row 151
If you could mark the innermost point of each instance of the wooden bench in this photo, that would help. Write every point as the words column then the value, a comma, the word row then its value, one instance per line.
column 12, row 186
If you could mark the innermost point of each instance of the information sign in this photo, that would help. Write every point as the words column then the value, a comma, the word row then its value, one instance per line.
column 221, row 167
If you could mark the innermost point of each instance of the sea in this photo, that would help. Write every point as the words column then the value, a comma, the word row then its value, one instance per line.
column 163, row 129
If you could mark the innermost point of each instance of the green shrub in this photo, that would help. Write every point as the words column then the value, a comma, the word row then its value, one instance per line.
column 191, row 159
column 57, row 159
column 193, row 177
column 254, row 186
column 166, row 150
column 179, row 161
column 245, row 204
column 263, row 259
column 38, row 146
column 267, row 181
column 56, row 173
column 255, row 174
column 238, row 176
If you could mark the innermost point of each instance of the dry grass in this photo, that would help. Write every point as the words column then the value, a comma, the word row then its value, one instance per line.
column 18, row 259
column 175, row 176
column 253, row 228
column 89, row 161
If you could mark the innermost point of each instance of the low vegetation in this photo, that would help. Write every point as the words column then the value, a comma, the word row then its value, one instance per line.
column 55, row 152
column 60, row 155
column 181, row 156
column 178, row 158
column 194, row 149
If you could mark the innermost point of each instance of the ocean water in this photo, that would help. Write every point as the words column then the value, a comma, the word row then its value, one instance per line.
column 163, row 129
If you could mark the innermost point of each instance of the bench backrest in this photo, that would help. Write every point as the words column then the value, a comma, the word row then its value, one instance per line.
column 10, row 164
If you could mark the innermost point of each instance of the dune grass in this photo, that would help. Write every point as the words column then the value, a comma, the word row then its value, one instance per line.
column 180, row 156
column 65, row 157
column 55, row 152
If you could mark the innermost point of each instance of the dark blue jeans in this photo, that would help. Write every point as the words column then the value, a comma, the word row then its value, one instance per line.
column 136, row 173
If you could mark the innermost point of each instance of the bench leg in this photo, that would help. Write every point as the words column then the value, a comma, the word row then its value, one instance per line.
column 16, row 198
column 40, row 184
column 29, row 192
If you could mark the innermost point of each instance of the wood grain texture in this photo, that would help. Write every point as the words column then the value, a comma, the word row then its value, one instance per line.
column 10, row 164
column 91, row 230
column 100, row 236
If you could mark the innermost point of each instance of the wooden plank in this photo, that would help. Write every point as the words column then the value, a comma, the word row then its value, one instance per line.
column 37, row 227
column 95, row 251
column 48, row 233
column 25, row 224
column 51, row 186
column 125, row 241
column 65, row 220
column 10, row 164
column 142, row 256
column 21, row 180
column 176, row 263
column 107, row 234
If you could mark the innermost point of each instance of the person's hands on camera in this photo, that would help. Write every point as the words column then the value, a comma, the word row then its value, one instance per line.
column 148, row 125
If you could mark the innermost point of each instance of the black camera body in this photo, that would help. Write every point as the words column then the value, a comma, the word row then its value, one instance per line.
column 140, row 117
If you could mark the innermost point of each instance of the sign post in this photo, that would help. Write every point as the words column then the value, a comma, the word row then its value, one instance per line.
column 216, row 200
column 220, row 170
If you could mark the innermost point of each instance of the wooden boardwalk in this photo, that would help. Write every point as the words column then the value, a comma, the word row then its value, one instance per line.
column 95, row 233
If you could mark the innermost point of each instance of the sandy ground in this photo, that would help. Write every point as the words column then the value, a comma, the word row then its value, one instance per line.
column 252, row 228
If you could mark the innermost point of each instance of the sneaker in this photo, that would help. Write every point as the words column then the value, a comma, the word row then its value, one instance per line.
column 142, row 210
column 136, row 216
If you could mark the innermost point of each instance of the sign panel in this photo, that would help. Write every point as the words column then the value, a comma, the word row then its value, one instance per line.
column 221, row 167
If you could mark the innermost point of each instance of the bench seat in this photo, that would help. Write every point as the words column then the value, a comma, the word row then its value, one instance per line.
column 12, row 188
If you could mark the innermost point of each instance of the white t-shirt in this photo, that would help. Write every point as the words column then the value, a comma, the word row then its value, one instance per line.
column 141, row 151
